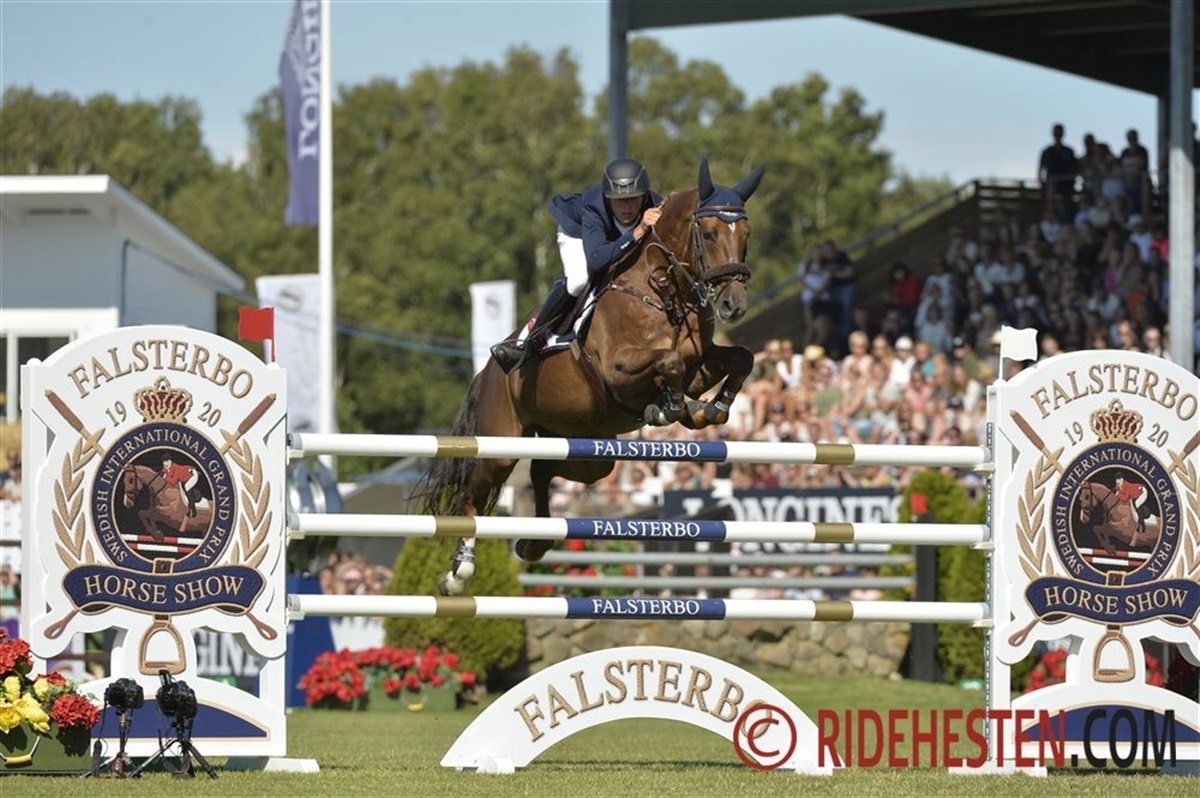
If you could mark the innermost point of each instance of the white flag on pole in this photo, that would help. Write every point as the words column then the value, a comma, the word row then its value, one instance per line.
column 493, row 317
column 297, row 302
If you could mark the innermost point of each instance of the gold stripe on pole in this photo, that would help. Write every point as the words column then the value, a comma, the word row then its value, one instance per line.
column 833, row 533
column 834, row 454
column 837, row 611
column 454, row 526
column 457, row 446
column 455, row 607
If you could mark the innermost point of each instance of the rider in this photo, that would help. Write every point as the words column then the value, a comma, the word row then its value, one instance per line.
column 595, row 228
column 186, row 478
column 1134, row 494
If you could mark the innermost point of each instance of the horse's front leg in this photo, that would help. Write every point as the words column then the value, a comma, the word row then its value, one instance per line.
column 149, row 519
column 665, row 369
column 541, row 472
column 732, row 364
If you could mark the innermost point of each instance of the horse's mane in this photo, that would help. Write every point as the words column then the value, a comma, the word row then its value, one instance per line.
column 677, row 208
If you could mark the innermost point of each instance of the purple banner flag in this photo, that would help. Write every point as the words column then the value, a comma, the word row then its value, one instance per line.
column 300, row 73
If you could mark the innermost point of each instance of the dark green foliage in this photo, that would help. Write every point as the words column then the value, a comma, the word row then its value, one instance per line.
column 486, row 646
column 961, row 570
column 443, row 180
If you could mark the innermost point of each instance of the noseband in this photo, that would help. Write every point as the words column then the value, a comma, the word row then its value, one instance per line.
column 726, row 272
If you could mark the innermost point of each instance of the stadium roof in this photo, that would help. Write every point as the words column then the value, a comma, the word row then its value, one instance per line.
column 1121, row 42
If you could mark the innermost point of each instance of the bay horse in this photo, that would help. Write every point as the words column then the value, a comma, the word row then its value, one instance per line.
column 646, row 356
column 1115, row 523
column 147, row 493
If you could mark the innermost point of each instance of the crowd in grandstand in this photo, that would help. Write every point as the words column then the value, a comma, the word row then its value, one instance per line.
column 1090, row 274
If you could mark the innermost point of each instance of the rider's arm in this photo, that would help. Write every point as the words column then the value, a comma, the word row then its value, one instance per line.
column 599, row 250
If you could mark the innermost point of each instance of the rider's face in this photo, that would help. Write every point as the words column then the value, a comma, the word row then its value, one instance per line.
column 627, row 209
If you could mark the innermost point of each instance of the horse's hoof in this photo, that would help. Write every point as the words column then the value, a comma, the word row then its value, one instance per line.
column 531, row 550
column 450, row 585
column 654, row 416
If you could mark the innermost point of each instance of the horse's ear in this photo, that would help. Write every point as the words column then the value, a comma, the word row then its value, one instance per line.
column 705, row 184
column 745, row 188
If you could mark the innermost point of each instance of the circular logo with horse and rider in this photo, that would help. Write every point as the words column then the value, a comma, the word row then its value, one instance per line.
column 163, row 494
column 1116, row 510
column 163, row 497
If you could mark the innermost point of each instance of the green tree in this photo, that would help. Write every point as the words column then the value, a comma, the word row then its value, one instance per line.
column 155, row 149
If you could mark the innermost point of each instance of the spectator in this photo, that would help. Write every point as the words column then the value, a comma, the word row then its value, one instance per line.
column 905, row 292
column 934, row 330
column 842, row 289
column 903, row 362
column 1135, row 168
column 1057, row 168
column 789, row 365
column 12, row 487
column 1152, row 343
column 1139, row 236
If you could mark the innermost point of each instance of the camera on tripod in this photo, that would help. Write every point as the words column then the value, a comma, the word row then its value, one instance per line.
column 124, row 694
column 175, row 699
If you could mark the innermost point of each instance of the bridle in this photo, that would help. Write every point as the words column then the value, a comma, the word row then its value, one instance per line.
column 141, row 487
column 1096, row 503
column 709, row 279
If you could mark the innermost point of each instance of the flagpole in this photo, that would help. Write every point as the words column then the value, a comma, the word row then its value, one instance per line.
column 328, row 327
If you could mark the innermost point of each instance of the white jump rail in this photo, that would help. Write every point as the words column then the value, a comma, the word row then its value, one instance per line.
column 523, row 607
column 301, row 525
column 483, row 447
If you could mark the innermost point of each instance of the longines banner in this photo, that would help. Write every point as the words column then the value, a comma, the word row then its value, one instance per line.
column 831, row 506
column 157, row 509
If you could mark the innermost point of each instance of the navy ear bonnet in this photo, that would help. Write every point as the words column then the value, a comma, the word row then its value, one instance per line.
column 727, row 204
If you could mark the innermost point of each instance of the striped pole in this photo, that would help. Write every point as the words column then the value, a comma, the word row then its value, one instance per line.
column 301, row 605
column 429, row 526
column 304, row 444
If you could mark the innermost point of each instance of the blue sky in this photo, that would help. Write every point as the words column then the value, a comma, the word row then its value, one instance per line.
column 948, row 110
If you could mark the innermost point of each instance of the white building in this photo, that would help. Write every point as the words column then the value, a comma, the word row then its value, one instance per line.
column 80, row 255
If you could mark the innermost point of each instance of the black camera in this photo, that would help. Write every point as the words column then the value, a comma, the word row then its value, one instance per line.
column 124, row 694
column 175, row 699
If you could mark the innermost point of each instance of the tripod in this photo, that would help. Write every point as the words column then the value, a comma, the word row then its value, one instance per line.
column 117, row 764
column 183, row 738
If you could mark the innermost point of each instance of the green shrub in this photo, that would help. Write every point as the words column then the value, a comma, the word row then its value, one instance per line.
column 485, row 645
column 961, row 570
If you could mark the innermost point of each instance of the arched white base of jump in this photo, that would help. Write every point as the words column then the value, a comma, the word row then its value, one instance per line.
column 652, row 682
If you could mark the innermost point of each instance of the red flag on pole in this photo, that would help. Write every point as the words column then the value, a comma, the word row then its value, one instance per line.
column 256, row 324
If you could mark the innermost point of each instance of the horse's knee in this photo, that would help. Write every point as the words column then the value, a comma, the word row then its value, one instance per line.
column 741, row 361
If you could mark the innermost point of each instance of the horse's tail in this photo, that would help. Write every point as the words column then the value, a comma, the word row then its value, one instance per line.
column 445, row 488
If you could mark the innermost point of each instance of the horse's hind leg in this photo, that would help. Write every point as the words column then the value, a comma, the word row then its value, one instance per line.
column 486, row 476
column 541, row 472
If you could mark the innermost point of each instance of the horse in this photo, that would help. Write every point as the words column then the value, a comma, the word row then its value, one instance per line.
column 646, row 356
column 1115, row 523
column 156, row 502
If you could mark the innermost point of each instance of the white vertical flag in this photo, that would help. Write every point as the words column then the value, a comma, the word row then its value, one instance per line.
column 297, row 302
column 493, row 317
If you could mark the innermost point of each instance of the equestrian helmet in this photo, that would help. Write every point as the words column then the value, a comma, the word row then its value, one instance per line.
column 625, row 177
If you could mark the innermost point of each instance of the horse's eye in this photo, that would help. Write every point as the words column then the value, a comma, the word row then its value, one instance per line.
column 710, row 234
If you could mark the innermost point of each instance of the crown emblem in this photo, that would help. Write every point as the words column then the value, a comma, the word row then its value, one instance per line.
column 1116, row 423
column 161, row 402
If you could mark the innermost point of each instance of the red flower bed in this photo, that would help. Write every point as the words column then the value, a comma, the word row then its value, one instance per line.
column 340, row 679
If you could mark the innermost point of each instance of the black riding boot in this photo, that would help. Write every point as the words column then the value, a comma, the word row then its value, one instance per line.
column 511, row 354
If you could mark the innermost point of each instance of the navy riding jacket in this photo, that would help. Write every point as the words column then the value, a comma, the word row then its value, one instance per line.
column 586, row 215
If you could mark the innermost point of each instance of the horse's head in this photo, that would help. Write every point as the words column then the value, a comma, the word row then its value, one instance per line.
column 1091, row 500
column 720, row 233
column 132, row 485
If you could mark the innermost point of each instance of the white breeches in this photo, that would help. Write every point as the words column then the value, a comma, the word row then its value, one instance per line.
column 574, row 262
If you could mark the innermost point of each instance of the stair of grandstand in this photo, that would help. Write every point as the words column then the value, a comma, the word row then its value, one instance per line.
column 916, row 238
